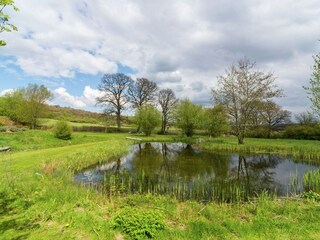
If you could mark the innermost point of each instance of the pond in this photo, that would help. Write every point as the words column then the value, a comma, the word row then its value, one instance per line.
column 178, row 170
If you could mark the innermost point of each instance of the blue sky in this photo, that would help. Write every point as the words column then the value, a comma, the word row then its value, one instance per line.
column 183, row 45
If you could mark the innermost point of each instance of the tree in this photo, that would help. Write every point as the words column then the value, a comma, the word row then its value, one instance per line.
column 35, row 97
column 143, row 91
column 148, row 118
column 240, row 91
column 115, row 94
column 12, row 105
column 314, row 89
column 215, row 121
column 167, row 101
column 273, row 115
column 306, row 118
column 5, row 25
column 188, row 117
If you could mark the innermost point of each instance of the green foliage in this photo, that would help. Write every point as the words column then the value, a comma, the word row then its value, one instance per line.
column 26, row 105
column 12, row 106
column 5, row 25
column 215, row 121
column 63, row 130
column 314, row 89
column 148, row 118
column 306, row 132
column 139, row 224
column 311, row 181
column 34, row 97
column 311, row 196
column 188, row 117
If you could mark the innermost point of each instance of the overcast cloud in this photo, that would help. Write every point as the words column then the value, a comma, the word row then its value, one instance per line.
column 182, row 44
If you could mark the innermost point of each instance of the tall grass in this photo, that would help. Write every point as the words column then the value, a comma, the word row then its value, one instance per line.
column 311, row 181
column 182, row 189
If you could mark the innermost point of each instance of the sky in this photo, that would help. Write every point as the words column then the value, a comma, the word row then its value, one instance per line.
column 179, row 44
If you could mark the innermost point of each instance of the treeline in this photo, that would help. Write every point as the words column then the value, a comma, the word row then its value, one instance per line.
column 243, row 105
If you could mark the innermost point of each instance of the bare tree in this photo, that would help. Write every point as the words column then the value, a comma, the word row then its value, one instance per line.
column 115, row 94
column 306, row 118
column 143, row 91
column 167, row 101
column 273, row 115
column 240, row 90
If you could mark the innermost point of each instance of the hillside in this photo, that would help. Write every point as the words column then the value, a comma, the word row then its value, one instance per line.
column 73, row 115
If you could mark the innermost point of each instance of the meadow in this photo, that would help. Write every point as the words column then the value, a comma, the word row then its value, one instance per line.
column 40, row 200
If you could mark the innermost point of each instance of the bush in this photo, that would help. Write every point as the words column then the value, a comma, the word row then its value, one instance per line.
column 63, row 130
column 139, row 224
column 302, row 132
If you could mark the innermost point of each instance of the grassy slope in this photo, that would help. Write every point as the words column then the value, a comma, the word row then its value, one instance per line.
column 46, row 204
column 47, row 122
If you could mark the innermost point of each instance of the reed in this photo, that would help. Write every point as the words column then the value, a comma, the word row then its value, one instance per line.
column 311, row 181
column 182, row 189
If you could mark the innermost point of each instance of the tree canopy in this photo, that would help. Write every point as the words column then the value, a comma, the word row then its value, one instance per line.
column 314, row 89
column 240, row 91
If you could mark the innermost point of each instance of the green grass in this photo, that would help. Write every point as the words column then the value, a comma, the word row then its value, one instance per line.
column 45, row 203
column 299, row 149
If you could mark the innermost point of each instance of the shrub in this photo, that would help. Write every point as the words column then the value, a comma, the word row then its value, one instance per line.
column 302, row 132
column 139, row 224
column 63, row 130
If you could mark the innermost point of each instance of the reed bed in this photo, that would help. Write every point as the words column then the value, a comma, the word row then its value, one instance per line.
column 182, row 189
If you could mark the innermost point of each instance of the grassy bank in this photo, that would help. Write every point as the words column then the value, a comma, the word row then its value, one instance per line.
column 39, row 199
column 299, row 149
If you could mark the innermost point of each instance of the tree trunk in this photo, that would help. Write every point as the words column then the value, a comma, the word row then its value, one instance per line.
column 240, row 139
column 119, row 120
column 163, row 126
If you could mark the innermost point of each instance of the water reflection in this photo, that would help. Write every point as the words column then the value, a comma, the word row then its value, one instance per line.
column 183, row 172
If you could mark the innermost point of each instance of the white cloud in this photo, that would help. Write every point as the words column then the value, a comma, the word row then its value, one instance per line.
column 6, row 91
column 90, row 95
column 184, row 45
column 61, row 95
column 87, row 99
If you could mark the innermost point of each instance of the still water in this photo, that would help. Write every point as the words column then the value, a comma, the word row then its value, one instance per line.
column 179, row 170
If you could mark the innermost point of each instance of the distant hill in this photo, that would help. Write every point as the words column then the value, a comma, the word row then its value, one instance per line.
column 73, row 115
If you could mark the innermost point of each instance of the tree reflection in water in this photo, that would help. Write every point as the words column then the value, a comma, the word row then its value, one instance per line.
column 179, row 170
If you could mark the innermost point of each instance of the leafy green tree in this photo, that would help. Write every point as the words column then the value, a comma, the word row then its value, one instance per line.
column 5, row 25
column 35, row 97
column 12, row 106
column 240, row 91
column 148, row 118
column 215, row 121
column 314, row 89
column 188, row 117
column 63, row 130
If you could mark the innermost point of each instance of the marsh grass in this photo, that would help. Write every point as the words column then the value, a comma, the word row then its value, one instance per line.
column 311, row 181
column 182, row 189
